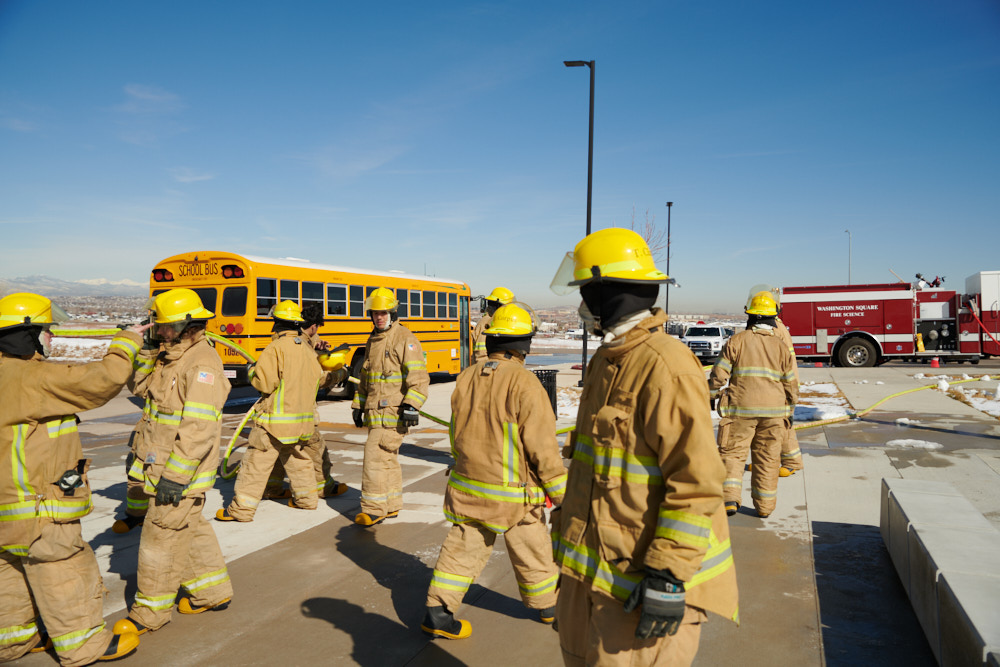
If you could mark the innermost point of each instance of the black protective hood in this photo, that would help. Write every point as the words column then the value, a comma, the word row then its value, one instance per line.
column 21, row 341
column 610, row 301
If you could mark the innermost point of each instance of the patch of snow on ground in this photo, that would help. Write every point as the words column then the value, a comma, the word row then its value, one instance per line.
column 906, row 421
column 913, row 444
column 942, row 385
column 804, row 413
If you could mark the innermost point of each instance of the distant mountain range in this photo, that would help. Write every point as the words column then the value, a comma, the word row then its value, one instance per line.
column 54, row 287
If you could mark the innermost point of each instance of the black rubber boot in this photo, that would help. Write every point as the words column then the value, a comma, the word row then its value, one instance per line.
column 439, row 622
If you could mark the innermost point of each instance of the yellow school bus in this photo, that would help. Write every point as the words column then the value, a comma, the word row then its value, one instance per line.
column 241, row 289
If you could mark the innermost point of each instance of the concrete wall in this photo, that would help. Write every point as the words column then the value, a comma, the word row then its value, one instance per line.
column 947, row 555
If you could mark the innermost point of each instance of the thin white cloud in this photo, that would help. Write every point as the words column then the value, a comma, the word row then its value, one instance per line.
column 189, row 175
column 141, row 99
column 18, row 125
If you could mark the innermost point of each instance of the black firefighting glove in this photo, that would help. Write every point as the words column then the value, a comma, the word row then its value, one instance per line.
column 168, row 492
column 359, row 417
column 408, row 415
column 662, row 598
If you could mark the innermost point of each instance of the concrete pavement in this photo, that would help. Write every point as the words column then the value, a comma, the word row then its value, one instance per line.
column 816, row 584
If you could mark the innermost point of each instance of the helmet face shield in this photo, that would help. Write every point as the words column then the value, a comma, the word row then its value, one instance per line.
column 561, row 282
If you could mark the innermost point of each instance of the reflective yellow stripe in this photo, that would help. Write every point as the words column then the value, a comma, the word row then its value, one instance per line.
column 541, row 588
column 19, row 469
column 74, row 640
column 414, row 397
column 127, row 346
column 157, row 603
column 509, row 454
column 68, row 509
column 134, row 504
column 556, row 486
column 58, row 427
column 418, row 365
column 181, row 466
column 135, row 470
column 757, row 372
column 451, row 582
column 684, row 528
column 618, row 462
column 207, row 580
column 17, row 634
column 497, row 492
column 756, row 412
column 16, row 549
column 201, row 411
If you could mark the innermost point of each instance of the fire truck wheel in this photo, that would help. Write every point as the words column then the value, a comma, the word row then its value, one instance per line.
column 857, row 353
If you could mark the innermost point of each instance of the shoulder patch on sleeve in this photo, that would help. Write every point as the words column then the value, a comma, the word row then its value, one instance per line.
column 206, row 377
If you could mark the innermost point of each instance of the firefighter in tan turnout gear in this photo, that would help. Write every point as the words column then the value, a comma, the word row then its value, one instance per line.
column 507, row 461
column 500, row 296
column 288, row 375
column 757, row 406
column 394, row 385
column 332, row 363
column 178, row 548
column 641, row 539
column 51, row 592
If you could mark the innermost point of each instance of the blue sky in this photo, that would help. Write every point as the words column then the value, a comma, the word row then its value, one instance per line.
column 448, row 137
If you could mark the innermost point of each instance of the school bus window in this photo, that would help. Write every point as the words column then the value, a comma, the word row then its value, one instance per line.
column 267, row 295
column 290, row 290
column 336, row 299
column 208, row 296
column 234, row 301
column 428, row 304
column 442, row 305
column 404, row 308
column 414, row 303
column 312, row 292
column 452, row 305
column 357, row 301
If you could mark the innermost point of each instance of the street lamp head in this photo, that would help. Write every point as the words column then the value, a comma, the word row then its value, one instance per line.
column 669, row 204
column 577, row 63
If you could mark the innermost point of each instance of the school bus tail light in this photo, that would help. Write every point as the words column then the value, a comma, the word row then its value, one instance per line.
column 232, row 271
column 163, row 276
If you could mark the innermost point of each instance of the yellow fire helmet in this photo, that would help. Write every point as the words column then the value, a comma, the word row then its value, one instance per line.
column 762, row 304
column 288, row 311
column 502, row 295
column 381, row 299
column 614, row 254
column 763, row 287
column 514, row 319
column 178, row 305
column 27, row 309
column 333, row 361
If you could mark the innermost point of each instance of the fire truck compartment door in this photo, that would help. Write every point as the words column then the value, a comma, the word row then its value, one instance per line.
column 935, row 310
column 822, row 346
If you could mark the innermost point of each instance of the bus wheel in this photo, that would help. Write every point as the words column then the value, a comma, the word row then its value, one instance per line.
column 857, row 353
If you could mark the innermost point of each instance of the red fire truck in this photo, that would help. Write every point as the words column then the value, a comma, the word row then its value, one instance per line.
column 865, row 325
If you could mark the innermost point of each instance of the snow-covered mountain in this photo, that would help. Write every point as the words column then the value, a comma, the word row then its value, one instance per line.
column 86, row 287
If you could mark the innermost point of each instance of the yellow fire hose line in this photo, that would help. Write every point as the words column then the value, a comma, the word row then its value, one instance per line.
column 224, row 471
column 862, row 413
column 231, row 345
column 68, row 333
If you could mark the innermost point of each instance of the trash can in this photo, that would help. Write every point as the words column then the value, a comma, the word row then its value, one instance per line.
column 548, row 379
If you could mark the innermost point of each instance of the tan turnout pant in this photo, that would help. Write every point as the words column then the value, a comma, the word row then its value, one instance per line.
column 382, row 476
column 762, row 437
column 263, row 449
column 60, row 583
column 468, row 547
column 791, row 455
column 178, row 549
column 316, row 449
column 595, row 630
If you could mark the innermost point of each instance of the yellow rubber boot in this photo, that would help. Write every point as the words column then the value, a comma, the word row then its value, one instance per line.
column 785, row 472
column 127, row 625
column 120, row 646
column 439, row 622
column 185, row 606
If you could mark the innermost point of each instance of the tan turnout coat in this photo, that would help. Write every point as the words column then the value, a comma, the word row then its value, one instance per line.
column 645, row 481
column 394, row 372
column 761, row 373
column 187, row 391
column 478, row 339
column 503, row 436
column 39, row 439
column 288, row 375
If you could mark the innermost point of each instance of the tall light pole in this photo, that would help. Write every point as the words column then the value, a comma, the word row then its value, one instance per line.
column 666, row 300
column 590, row 179
column 848, row 232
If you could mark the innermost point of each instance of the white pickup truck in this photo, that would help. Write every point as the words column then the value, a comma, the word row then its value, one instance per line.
column 706, row 340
